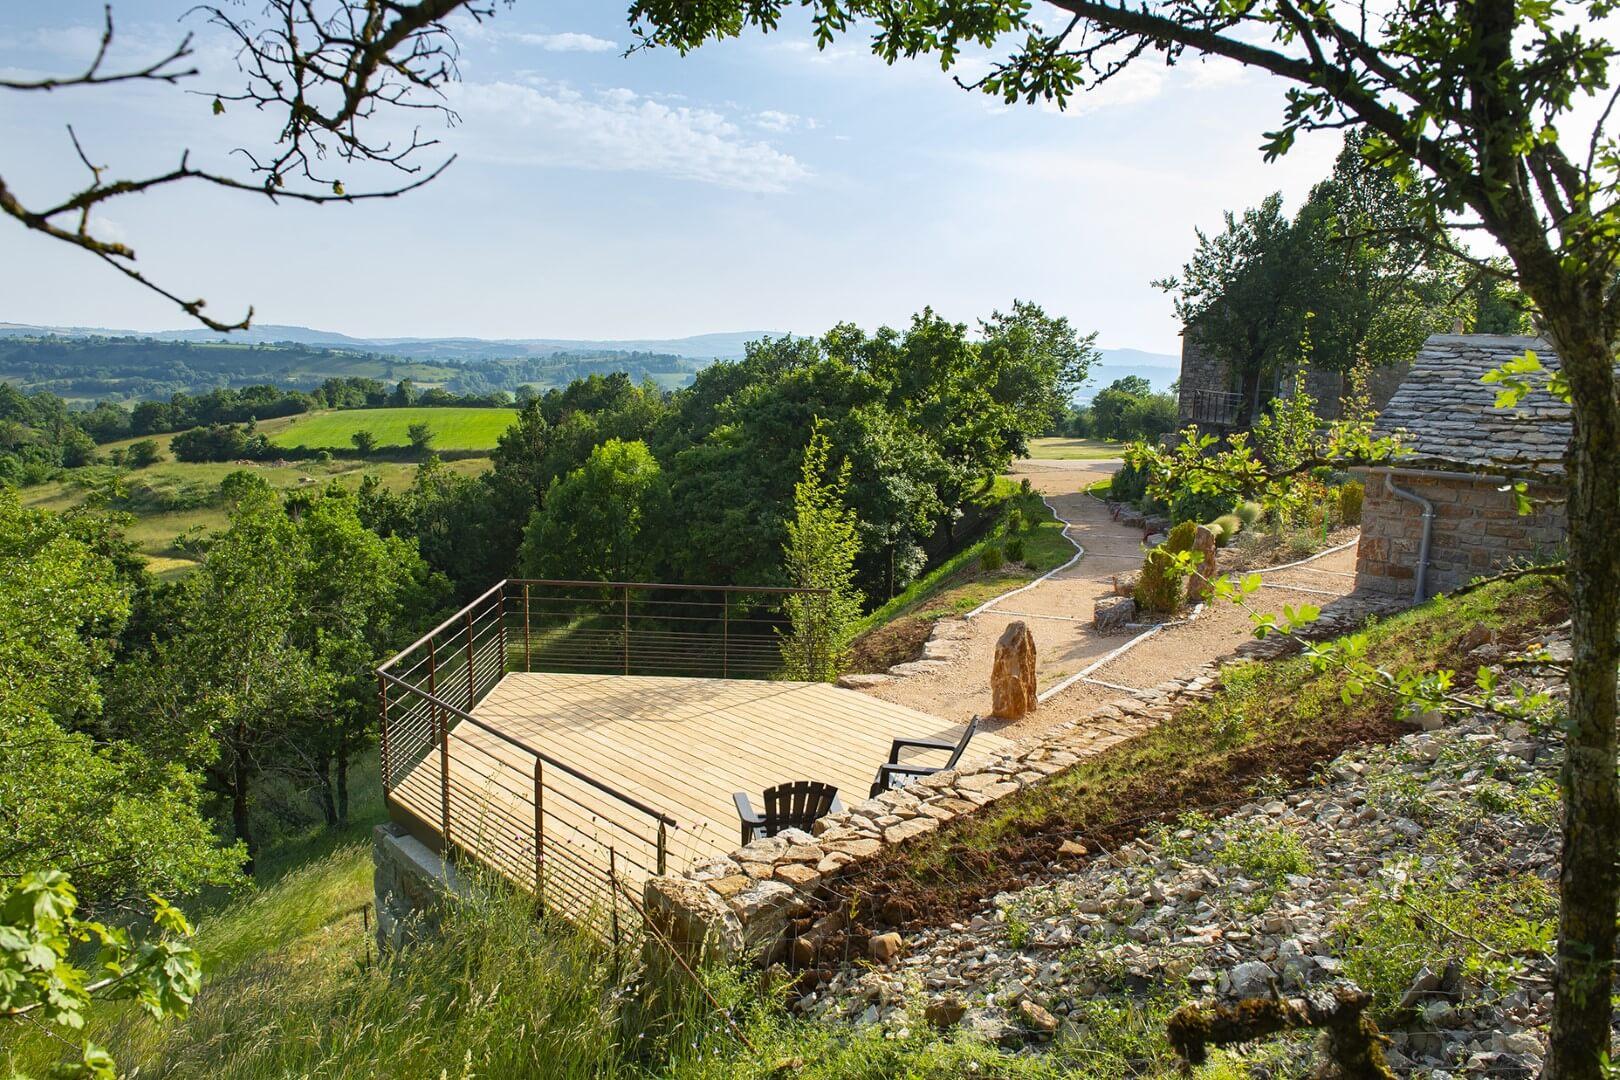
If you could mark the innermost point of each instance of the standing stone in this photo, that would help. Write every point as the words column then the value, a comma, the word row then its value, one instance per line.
column 1203, row 579
column 1012, row 679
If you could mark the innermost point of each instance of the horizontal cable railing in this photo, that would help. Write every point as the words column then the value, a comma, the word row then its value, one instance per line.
column 513, row 807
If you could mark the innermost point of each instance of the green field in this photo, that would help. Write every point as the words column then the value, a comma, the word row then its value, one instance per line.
column 453, row 428
column 175, row 498
column 1054, row 448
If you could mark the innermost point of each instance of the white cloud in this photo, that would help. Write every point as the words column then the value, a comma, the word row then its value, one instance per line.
column 569, row 42
column 775, row 120
column 617, row 130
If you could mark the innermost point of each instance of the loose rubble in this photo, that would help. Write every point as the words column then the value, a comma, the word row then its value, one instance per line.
column 1178, row 914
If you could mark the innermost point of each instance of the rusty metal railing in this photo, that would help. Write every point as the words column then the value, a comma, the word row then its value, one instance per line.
column 476, row 791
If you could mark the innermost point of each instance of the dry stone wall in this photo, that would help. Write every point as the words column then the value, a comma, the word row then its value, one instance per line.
column 745, row 906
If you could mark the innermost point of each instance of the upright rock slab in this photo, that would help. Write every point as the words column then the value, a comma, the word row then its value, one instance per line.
column 1202, row 585
column 1012, row 678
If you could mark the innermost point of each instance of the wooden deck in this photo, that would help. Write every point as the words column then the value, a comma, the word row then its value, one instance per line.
column 681, row 746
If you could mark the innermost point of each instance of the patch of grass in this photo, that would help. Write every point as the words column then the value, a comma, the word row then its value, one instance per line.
column 1056, row 448
column 453, row 428
column 1267, row 856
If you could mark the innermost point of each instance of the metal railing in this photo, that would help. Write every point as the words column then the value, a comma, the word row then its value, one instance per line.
column 476, row 791
column 1216, row 408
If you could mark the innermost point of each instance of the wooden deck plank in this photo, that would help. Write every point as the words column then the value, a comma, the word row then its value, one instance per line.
column 679, row 745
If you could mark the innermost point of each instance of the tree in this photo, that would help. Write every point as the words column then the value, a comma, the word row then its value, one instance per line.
column 122, row 820
column 820, row 552
column 364, row 442
column 421, row 436
column 1464, row 102
column 602, row 521
column 42, row 940
column 330, row 74
column 141, row 453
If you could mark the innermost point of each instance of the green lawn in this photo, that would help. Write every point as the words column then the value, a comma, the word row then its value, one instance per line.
column 1057, row 448
column 453, row 428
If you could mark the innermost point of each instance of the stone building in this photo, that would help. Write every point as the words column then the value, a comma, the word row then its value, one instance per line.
column 1442, row 517
column 1215, row 397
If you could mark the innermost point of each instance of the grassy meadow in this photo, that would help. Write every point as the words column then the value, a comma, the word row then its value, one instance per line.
column 1058, row 448
column 174, row 499
column 453, row 428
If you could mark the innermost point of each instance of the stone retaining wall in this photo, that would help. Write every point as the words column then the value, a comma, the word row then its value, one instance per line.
column 744, row 907
column 411, row 883
column 1477, row 530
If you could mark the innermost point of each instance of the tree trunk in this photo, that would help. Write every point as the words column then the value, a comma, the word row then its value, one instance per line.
column 323, row 781
column 239, row 811
column 1588, row 883
column 341, row 775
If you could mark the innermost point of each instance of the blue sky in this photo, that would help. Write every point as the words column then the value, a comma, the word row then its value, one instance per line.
column 754, row 184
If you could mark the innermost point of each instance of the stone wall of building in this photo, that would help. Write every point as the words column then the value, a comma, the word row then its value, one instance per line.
column 1477, row 529
column 1200, row 370
column 1328, row 387
column 750, row 905
column 411, row 883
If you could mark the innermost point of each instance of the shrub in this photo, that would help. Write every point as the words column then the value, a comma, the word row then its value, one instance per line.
column 1201, row 505
column 1249, row 513
column 142, row 453
column 1014, row 550
column 1230, row 526
column 1015, row 521
column 1350, row 496
column 1024, row 486
column 1130, row 484
column 990, row 558
column 1159, row 587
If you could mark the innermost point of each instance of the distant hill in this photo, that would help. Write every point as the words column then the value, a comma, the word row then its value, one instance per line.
column 1158, row 369
column 723, row 346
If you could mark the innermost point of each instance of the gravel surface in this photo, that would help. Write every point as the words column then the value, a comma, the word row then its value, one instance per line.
column 1187, row 913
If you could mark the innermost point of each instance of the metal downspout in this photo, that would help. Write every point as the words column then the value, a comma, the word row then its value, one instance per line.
column 1418, row 593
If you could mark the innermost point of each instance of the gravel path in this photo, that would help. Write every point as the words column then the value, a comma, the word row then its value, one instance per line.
column 1058, row 613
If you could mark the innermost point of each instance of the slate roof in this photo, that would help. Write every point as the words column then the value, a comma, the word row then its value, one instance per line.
column 1444, row 413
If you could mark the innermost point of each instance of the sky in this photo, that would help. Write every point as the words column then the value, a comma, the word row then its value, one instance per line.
column 754, row 184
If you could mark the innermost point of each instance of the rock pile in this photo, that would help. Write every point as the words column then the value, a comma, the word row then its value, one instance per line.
column 1265, row 900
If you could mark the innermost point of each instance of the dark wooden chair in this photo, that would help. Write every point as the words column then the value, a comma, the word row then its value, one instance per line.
column 787, row 806
column 894, row 775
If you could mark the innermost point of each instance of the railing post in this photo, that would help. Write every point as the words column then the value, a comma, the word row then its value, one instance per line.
column 663, row 848
column 810, row 642
column 528, row 657
column 613, row 890
column 725, row 633
column 472, row 683
column 539, row 835
column 500, row 626
column 444, row 784
column 382, row 732
column 625, row 590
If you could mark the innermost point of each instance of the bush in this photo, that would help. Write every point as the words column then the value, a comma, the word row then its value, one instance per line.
column 990, row 558
column 1201, row 506
column 1249, row 513
column 1159, row 587
column 1130, row 484
column 1350, row 496
column 1230, row 525
column 1015, row 521
column 142, row 453
column 1014, row 550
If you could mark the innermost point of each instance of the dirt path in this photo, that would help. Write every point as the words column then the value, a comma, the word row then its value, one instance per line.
column 1058, row 614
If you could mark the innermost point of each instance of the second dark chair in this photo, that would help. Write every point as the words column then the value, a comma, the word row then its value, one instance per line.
column 895, row 775
column 787, row 806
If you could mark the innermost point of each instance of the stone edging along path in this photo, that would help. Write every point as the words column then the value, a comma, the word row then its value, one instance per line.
column 741, row 907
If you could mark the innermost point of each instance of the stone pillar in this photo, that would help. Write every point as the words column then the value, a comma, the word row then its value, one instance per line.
column 412, row 883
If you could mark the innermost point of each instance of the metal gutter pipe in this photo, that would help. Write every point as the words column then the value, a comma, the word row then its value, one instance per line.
column 1428, row 531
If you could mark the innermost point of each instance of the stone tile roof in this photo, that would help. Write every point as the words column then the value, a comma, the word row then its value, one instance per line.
column 1444, row 413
